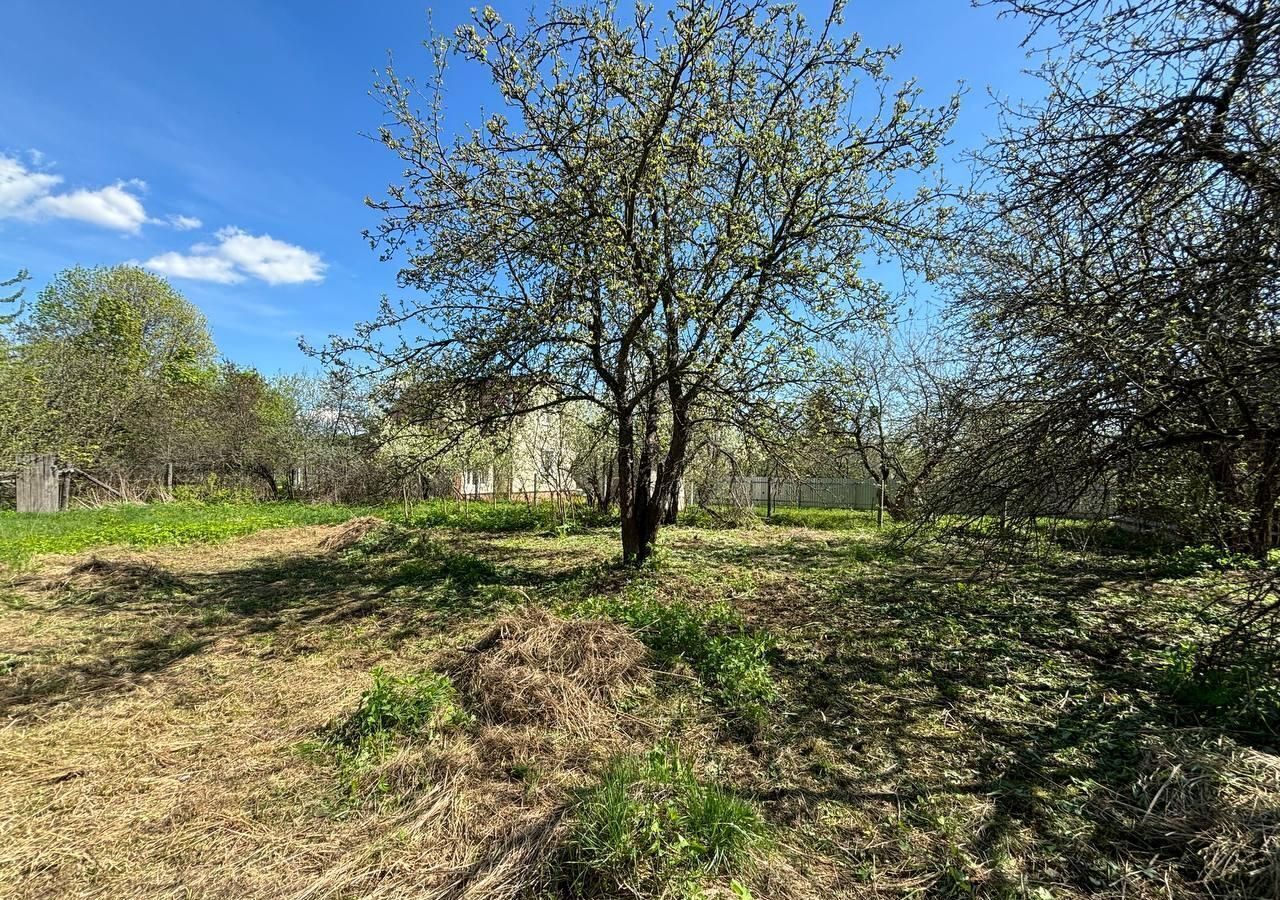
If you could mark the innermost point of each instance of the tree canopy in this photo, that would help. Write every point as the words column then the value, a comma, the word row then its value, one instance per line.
column 661, row 217
column 1124, row 273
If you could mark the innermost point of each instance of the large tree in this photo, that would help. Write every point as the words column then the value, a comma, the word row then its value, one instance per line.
column 105, row 358
column 659, row 218
column 1129, row 265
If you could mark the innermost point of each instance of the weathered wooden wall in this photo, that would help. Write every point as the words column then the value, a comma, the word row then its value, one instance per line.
column 40, row 485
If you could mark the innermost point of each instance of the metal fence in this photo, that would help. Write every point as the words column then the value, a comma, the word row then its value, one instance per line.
column 835, row 493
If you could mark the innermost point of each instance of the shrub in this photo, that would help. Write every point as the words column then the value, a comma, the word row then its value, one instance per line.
column 650, row 827
column 711, row 639
column 214, row 491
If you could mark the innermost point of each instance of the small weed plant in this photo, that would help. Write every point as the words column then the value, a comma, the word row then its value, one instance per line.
column 651, row 827
column 396, row 706
column 409, row 704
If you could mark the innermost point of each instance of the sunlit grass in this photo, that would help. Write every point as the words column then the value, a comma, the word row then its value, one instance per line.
column 24, row 535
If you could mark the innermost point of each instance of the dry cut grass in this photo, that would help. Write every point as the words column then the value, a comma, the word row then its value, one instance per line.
column 195, row 782
column 173, row 720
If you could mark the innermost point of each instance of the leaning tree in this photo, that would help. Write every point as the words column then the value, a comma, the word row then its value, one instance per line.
column 658, row 219
column 1127, row 273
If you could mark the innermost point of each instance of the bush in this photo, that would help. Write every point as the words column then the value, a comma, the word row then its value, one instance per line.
column 711, row 639
column 213, row 491
column 650, row 827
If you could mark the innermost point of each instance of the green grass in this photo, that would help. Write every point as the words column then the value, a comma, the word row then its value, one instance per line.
column 784, row 516
column 937, row 726
column 711, row 638
column 652, row 828
column 24, row 535
column 499, row 516
column 824, row 519
column 394, row 709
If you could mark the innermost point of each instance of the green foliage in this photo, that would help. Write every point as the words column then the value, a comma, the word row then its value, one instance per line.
column 409, row 704
column 823, row 519
column 23, row 535
column 7, row 316
column 106, row 361
column 1204, row 558
column 650, row 827
column 710, row 638
column 1239, row 690
column 213, row 490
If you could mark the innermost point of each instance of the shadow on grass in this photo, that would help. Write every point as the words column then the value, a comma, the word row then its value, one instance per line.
column 124, row 621
column 1024, row 699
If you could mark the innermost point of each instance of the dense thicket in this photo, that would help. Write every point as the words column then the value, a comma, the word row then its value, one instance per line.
column 1125, row 274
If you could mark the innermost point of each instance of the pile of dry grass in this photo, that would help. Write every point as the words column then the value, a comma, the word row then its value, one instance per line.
column 349, row 533
column 1215, row 803
column 485, row 806
column 535, row 668
column 129, row 575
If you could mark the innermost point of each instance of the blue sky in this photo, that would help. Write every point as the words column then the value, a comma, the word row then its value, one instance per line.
column 221, row 142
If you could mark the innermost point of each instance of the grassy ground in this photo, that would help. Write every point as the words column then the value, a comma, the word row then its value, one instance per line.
column 478, row 704
column 25, row 535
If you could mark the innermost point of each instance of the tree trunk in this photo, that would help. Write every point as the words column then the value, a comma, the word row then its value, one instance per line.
column 606, row 497
column 1256, row 538
column 640, row 493
column 671, row 504
column 1262, row 521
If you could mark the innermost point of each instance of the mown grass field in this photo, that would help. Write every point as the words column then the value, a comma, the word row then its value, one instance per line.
column 259, row 702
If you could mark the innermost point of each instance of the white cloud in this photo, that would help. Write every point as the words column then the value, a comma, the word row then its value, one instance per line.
column 19, row 187
column 195, row 267
column 238, row 254
column 111, row 207
column 28, row 194
column 275, row 262
column 184, row 223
